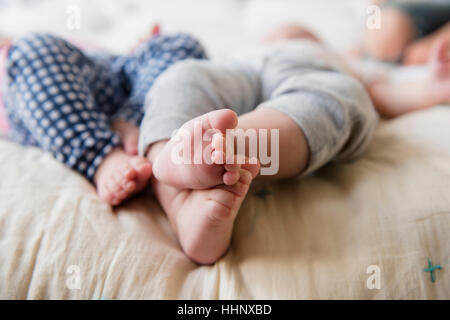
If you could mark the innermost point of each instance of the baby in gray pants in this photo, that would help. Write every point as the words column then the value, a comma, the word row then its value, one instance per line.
column 211, row 127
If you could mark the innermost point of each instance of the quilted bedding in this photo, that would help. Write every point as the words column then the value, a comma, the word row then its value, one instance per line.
column 387, row 213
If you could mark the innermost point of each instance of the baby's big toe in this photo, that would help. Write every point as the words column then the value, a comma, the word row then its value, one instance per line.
column 142, row 167
column 253, row 166
column 125, row 179
column 143, row 170
column 230, row 178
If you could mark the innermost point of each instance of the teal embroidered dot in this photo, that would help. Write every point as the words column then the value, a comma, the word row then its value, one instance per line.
column 431, row 269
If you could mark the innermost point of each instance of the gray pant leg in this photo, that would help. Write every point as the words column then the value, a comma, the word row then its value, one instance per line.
column 190, row 89
column 333, row 110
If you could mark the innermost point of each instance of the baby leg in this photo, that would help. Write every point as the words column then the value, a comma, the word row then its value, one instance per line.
column 321, row 116
column 316, row 117
column 182, row 100
column 147, row 63
column 51, row 103
column 141, row 68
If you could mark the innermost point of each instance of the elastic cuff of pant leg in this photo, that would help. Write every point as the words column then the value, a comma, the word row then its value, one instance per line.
column 102, row 152
column 318, row 155
column 158, row 129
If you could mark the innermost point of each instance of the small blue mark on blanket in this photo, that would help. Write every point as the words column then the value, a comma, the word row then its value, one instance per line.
column 431, row 269
column 262, row 193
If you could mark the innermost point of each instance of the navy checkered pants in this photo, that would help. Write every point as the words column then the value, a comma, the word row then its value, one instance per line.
column 63, row 100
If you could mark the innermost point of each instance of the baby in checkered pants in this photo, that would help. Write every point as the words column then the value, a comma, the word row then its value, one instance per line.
column 85, row 108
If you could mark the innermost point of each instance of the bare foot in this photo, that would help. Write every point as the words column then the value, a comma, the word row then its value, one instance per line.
column 203, row 219
column 120, row 176
column 201, row 164
column 129, row 135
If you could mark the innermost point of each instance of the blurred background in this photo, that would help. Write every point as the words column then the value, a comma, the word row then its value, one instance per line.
column 223, row 25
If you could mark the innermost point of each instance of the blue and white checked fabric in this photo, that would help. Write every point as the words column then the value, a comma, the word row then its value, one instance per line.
column 64, row 100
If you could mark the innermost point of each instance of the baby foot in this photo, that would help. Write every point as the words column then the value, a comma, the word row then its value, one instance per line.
column 129, row 135
column 120, row 176
column 204, row 219
column 202, row 163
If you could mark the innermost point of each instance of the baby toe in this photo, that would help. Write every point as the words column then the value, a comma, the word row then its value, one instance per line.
column 128, row 173
column 233, row 167
column 218, row 157
column 124, row 177
column 252, row 166
column 245, row 177
column 130, row 187
column 221, row 142
column 230, row 178
column 105, row 194
column 114, row 187
column 218, row 141
column 240, row 188
column 142, row 167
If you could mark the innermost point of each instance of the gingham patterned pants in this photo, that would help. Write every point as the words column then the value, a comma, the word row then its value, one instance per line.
column 64, row 101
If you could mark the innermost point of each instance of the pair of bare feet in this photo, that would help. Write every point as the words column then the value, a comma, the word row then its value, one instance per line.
column 201, row 200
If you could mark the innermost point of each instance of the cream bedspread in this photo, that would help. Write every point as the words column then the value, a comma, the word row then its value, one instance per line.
column 309, row 238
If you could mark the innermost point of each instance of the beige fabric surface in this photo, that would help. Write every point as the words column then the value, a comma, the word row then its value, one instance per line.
column 309, row 238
